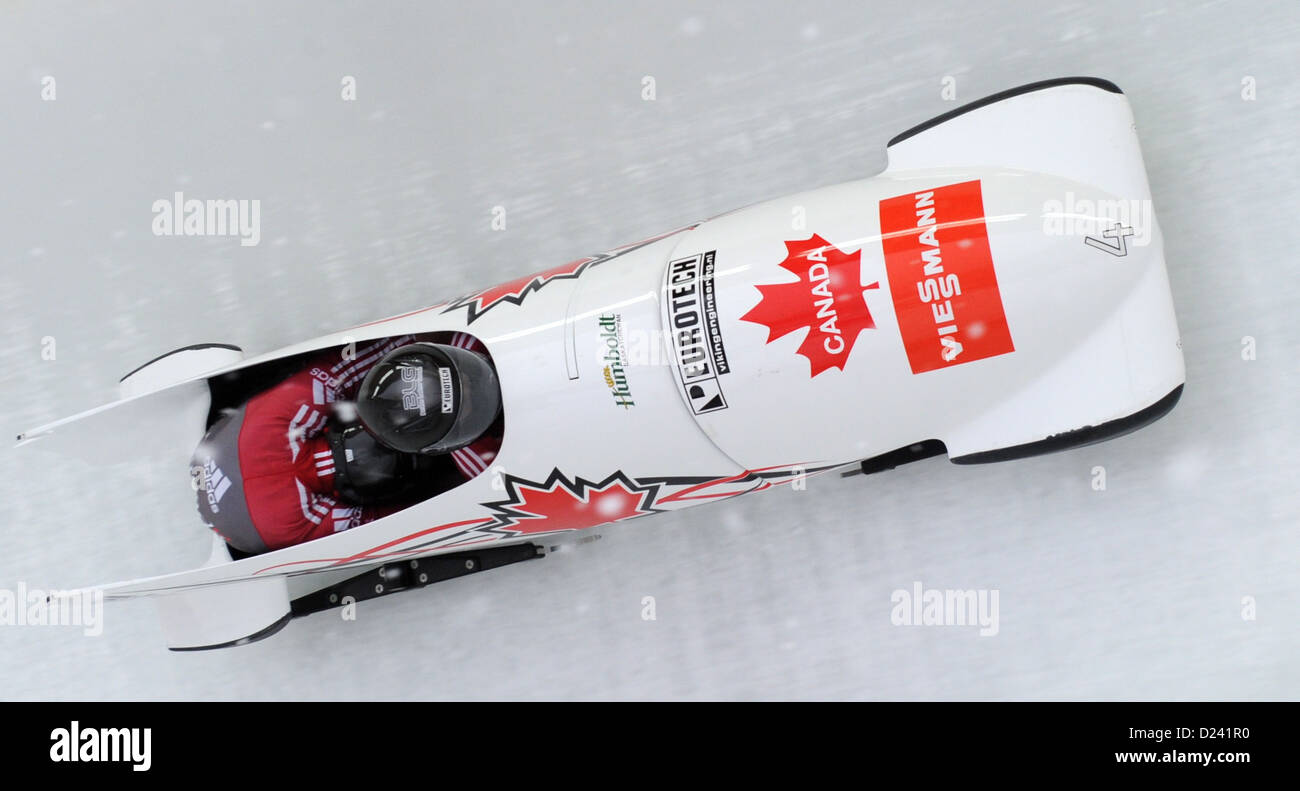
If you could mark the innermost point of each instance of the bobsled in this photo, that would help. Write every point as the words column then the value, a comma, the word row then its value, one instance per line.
column 998, row 291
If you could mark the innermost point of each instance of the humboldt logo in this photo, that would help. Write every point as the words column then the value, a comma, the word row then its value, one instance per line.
column 828, row 300
column 123, row 745
column 614, row 358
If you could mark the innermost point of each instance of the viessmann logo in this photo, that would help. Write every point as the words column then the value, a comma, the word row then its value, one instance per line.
column 941, row 277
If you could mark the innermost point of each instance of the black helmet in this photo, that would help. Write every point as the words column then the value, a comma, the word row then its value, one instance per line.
column 429, row 398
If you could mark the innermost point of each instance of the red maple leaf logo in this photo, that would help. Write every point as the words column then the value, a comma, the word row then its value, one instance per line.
column 514, row 291
column 828, row 300
column 561, row 504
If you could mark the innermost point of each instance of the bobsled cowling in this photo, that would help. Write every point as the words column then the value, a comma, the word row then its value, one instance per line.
column 999, row 290
column 1057, row 328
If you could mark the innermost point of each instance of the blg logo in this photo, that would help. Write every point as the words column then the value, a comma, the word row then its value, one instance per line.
column 413, row 388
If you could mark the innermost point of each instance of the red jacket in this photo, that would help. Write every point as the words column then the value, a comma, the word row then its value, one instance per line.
column 268, row 477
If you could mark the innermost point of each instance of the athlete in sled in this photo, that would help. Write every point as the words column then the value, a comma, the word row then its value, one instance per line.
column 941, row 307
column 348, row 439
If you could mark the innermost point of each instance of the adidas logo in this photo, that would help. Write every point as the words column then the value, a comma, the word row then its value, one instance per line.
column 215, row 483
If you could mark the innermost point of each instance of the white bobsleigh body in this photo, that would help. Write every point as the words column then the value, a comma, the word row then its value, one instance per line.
column 981, row 297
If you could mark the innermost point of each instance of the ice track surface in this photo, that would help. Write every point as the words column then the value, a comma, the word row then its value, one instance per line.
column 382, row 205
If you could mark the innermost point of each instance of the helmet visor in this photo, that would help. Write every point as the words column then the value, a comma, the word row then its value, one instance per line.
column 429, row 398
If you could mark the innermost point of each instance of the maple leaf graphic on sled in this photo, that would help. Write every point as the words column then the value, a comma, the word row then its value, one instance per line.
column 828, row 300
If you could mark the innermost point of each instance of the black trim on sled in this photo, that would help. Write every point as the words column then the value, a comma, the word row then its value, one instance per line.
column 401, row 575
column 195, row 347
column 1096, row 82
column 895, row 458
column 261, row 634
column 1079, row 437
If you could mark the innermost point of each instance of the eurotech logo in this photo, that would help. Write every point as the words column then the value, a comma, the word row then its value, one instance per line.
column 828, row 300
